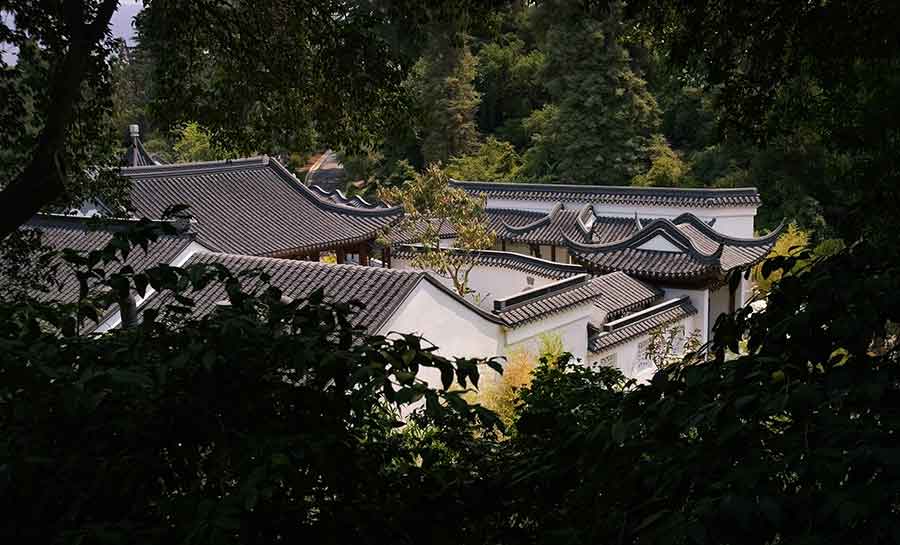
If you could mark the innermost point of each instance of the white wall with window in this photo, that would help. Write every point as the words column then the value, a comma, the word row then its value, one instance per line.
column 632, row 358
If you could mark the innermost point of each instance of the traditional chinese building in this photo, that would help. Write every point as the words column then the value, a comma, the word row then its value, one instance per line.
column 257, row 207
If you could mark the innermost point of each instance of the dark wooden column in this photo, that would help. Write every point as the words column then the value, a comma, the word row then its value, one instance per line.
column 503, row 244
column 340, row 256
column 364, row 254
column 731, row 302
column 386, row 257
column 553, row 252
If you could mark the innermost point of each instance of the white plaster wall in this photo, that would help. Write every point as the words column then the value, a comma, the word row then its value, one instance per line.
column 736, row 226
column 571, row 326
column 631, row 356
column 737, row 222
column 490, row 282
column 700, row 300
column 456, row 330
column 627, row 356
column 660, row 244
column 718, row 305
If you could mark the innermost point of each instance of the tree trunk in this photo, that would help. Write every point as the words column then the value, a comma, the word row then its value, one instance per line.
column 43, row 179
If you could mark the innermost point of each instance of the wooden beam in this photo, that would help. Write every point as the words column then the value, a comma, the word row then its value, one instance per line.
column 364, row 254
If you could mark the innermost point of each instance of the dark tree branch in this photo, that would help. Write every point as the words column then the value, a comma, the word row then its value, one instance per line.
column 43, row 179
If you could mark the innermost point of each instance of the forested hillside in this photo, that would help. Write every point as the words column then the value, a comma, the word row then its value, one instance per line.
column 546, row 92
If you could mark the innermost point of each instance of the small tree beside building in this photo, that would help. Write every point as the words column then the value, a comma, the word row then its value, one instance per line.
column 432, row 208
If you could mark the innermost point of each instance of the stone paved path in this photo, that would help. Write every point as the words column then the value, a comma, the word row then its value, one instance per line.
column 329, row 174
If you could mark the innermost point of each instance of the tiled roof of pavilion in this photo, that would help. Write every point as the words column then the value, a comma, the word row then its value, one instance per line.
column 256, row 207
column 692, row 251
column 615, row 195
column 507, row 260
column 553, row 227
column 136, row 155
column 87, row 234
column 337, row 197
column 405, row 233
column 639, row 323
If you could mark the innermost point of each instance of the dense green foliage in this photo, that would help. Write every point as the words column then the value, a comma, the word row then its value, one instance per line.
column 446, row 96
column 26, row 104
column 600, row 129
column 495, row 161
column 269, row 420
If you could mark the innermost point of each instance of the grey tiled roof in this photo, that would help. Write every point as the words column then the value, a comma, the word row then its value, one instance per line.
column 553, row 298
column 702, row 253
column 615, row 195
column 615, row 293
column 405, row 233
column 623, row 294
column 510, row 260
column 254, row 206
column 553, row 227
column 640, row 323
column 337, row 196
column 380, row 291
column 87, row 234
column 550, row 228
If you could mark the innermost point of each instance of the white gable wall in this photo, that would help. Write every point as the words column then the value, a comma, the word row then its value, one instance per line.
column 456, row 330
column 700, row 300
column 489, row 282
column 718, row 305
column 571, row 326
column 660, row 243
column 522, row 204
column 631, row 357
column 733, row 221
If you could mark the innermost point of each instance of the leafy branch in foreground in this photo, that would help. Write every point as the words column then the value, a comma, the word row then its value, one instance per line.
column 268, row 419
